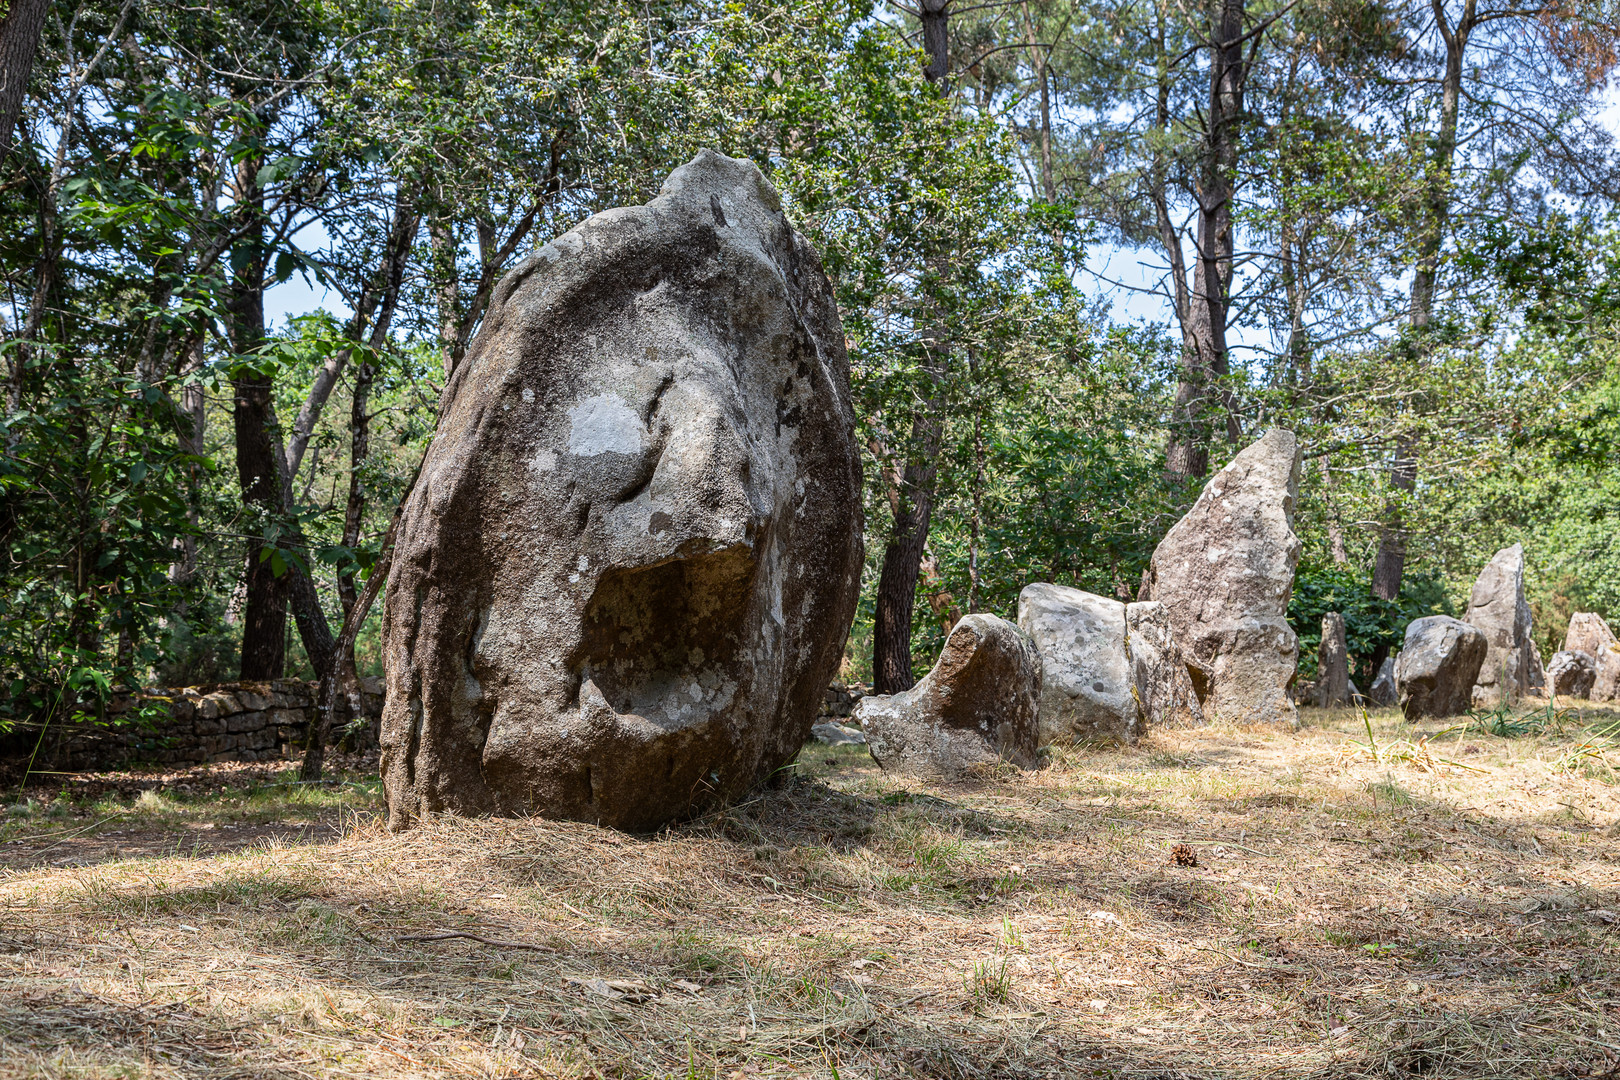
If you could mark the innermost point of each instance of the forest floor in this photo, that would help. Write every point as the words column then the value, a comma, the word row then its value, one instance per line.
column 1420, row 904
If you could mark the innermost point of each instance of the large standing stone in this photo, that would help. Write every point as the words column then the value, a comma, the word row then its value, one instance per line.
column 1085, row 670
column 1438, row 664
column 626, row 573
column 1164, row 690
column 1589, row 633
column 1383, row 692
column 1332, row 664
column 978, row 706
column 1498, row 608
column 1572, row 673
column 1224, row 573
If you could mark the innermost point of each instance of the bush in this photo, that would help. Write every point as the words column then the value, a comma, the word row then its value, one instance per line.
column 1370, row 623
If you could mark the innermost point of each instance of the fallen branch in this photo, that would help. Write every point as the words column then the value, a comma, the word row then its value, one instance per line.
column 446, row 935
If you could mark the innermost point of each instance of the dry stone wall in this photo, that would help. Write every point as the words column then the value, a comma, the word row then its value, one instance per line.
column 194, row 725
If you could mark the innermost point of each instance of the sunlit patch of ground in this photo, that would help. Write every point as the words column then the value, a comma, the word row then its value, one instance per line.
column 1370, row 900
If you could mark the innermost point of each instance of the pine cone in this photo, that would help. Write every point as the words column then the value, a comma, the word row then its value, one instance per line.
column 1183, row 855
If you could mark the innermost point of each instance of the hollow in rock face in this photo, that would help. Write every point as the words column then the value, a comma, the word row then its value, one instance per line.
column 627, row 571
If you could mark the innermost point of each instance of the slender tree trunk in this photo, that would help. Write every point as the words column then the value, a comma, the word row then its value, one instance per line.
column 264, row 619
column 447, row 292
column 355, row 508
column 1201, row 390
column 935, row 16
column 19, row 41
column 912, row 491
column 902, row 561
column 1389, row 567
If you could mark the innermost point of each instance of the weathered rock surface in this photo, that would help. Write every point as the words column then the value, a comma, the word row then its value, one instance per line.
column 1164, row 689
column 1498, row 608
column 1382, row 692
column 978, row 706
column 1332, row 664
column 1438, row 664
column 1085, row 671
column 1572, row 673
column 626, row 573
column 838, row 735
column 1590, row 634
column 1536, row 683
column 1224, row 573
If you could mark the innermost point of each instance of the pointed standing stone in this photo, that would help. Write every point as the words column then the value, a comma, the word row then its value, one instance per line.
column 1382, row 692
column 1224, row 573
column 1497, row 607
column 1332, row 664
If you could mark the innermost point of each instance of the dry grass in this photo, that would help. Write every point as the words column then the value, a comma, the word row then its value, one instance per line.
column 1354, row 913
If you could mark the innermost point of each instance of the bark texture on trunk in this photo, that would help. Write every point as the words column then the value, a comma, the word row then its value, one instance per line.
column 897, row 584
column 19, row 42
column 259, row 465
column 935, row 16
column 1203, row 313
column 911, row 487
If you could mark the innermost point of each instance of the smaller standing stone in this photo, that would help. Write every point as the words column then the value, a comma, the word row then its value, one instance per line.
column 1164, row 690
column 978, row 706
column 1572, row 673
column 1383, row 693
column 1590, row 634
column 1085, row 671
column 1498, row 608
column 1332, row 664
column 1438, row 665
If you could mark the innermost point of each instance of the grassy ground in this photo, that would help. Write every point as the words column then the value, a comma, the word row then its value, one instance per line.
column 1443, row 906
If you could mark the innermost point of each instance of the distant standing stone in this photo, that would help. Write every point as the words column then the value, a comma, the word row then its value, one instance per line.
column 1383, row 692
column 838, row 735
column 1537, row 681
column 1572, row 673
column 1085, row 671
column 1590, row 634
column 1332, row 664
column 1224, row 573
column 1497, row 607
column 1164, row 689
column 627, row 571
column 1437, row 666
column 978, row 706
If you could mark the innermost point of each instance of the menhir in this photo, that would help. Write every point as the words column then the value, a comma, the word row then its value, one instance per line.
column 627, row 571
column 1224, row 574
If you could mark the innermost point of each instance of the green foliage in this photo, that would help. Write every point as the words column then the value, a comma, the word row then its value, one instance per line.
column 1369, row 621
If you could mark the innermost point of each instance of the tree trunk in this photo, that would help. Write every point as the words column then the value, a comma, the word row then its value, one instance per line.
column 911, row 494
column 447, row 293
column 19, row 41
column 1204, row 353
column 1390, row 565
column 935, row 16
column 354, row 511
column 897, row 583
column 264, row 620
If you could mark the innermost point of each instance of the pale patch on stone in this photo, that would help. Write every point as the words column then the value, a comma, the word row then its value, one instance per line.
column 604, row 424
column 544, row 461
